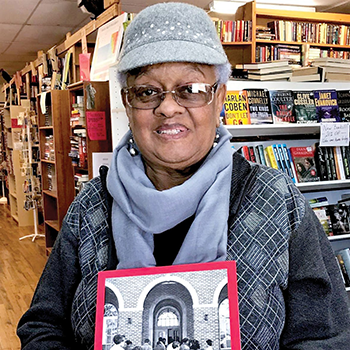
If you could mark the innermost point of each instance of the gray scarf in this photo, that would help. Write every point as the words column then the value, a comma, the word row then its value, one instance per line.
column 139, row 210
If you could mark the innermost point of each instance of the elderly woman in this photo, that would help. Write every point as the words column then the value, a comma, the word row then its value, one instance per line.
column 178, row 194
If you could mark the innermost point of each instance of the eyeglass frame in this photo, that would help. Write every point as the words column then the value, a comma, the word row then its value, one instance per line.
column 213, row 89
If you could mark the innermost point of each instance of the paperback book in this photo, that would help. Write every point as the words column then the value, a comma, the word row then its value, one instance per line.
column 343, row 97
column 326, row 104
column 236, row 108
column 259, row 106
column 304, row 162
column 304, row 107
column 139, row 303
column 282, row 106
column 339, row 214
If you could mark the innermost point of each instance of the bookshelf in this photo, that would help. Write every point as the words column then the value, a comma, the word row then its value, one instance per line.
column 293, row 135
column 313, row 37
column 90, row 113
column 56, row 170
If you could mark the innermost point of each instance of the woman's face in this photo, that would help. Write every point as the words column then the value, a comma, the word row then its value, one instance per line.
column 171, row 136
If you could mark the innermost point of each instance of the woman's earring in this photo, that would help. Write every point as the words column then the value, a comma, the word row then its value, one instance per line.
column 131, row 146
column 217, row 137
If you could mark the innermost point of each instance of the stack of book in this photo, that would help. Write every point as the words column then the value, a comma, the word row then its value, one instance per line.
column 334, row 69
column 271, row 70
column 306, row 74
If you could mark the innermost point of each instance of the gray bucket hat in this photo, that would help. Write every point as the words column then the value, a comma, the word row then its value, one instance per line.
column 171, row 32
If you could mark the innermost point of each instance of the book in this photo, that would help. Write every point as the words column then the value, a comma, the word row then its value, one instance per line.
column 268, row 64
column 236, row 108
column 271, row 76
column 326, row 104
column 318, row 202
column 343, row 98
column 252, row 154
column 259, row 106
column 304, row 162
column 323, row 216
column 288, row 161
column 321, row 162
column 301, row 71
column 310, row 77
column 271, row 157
column 343, row 271
column 179, row 291
column 328, row 76
column 304, row 107
column 331, row 163
column 331, row 61
column 339, row 163
column 292, row 166
column 261, row 154
column 282, row 102
column 346, row 156
column 339, row 214
column 269, row 70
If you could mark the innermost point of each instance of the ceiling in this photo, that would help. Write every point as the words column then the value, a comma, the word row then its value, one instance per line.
column 28, row 26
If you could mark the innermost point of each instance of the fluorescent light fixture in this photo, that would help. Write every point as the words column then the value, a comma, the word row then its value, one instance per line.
column 230, row 7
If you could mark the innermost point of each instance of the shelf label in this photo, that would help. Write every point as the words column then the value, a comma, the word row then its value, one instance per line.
column 334, row 134
column 96, row 125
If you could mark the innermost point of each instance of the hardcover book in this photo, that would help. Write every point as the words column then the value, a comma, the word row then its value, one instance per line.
column 326, row 104
column 195, row 301
column 343, row 97
column 259, row 106
column 236, row 108
column 304, row 107
column 282, row 106
column 304, row 162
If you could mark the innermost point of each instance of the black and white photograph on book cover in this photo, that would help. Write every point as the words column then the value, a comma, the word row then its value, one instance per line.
column 194, row 305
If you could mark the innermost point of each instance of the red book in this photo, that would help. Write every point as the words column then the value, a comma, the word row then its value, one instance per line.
column 304, row 162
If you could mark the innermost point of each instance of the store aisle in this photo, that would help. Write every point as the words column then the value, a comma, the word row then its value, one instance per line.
column 21, row 264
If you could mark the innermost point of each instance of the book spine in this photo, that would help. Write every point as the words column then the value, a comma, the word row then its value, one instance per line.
column 292, row 166
column 339, row 156
column 332, row 163
column 262, row 154
column 252, row 154
column 257, row 154
column 277, row 156
column 345, row 153
column 343, row 272
column 320, row 160
column 245, row 152
column 271, row 155
column 345, row 253
column 284, row 152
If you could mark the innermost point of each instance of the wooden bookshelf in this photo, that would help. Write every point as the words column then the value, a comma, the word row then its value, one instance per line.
column 245, row 52
column 101, row 104
column 57, row 189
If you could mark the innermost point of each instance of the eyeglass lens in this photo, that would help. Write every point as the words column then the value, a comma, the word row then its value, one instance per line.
column 189, row 95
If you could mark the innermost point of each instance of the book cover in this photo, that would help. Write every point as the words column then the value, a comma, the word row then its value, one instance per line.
column 323, row 216
column 304, row 107
column 304, row 162
column 339, row 214
column 259, row 106
column 170, row 301
column 326, row 104
column 282, row 106
column 236, row 108
column 345, row 254
column 343, row 97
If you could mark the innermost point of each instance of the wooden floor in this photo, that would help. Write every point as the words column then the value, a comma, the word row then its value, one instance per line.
column 21, row 264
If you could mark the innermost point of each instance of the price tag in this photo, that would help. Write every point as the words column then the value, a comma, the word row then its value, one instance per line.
column 334, row 134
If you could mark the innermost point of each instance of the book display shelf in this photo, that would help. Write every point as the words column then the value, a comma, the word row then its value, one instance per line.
column 90, row 123
column 292, row 135
column 56, row 170
column 301, row 31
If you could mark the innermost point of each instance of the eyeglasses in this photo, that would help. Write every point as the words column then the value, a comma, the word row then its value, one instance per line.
column 190, row 95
